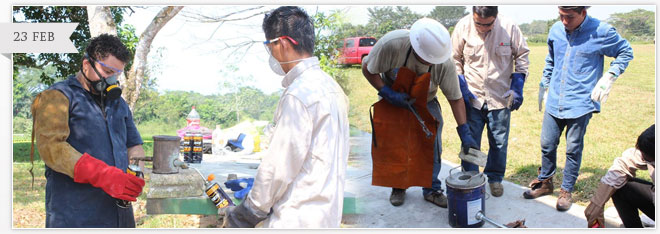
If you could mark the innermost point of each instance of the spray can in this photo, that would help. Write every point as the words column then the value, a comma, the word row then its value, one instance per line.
column 197, row 148
column 135, row 171
column 216, row 194
column 187, row 147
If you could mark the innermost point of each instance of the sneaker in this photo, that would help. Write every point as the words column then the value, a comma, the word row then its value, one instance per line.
column 398, row 196
column 437, row 198
column 496, row 189
column 564, row 201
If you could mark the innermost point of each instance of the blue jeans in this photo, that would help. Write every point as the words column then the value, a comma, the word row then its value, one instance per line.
column 497, row 123
column 436, row 184
column 550, row 134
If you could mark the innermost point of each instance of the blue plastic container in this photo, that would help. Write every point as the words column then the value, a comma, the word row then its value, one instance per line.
column 466, row 192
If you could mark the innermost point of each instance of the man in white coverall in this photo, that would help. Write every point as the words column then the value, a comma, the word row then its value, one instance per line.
column 300, row 182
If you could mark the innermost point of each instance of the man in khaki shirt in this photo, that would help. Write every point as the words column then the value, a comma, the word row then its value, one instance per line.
column 629, row 194
column 486, row 49
column 430, row 54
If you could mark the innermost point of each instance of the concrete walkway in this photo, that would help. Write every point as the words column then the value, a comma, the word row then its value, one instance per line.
column 376, row 211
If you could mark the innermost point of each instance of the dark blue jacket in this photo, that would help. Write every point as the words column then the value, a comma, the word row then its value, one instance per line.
column 70, row 204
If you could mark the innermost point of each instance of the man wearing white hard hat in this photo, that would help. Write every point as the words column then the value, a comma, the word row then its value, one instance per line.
column 424, row 52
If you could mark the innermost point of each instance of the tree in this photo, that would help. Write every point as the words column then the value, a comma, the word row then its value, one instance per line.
column 635, row 25
column 385, row 19
column 448, row 15
column 100, row 20
column 135, row 76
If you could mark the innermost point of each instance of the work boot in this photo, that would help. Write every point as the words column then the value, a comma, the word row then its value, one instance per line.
column 398, row 196
column 437, row 198
column 564, row 201
column 539, row 188
column 496, row 189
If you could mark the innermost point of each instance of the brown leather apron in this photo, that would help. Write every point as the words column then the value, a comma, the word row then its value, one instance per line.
column 402, row 155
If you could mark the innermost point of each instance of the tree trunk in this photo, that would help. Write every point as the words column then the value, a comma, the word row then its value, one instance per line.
column 131, row 86
column 100, row 21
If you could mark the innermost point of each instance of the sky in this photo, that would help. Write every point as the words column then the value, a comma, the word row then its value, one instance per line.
column 192, row 58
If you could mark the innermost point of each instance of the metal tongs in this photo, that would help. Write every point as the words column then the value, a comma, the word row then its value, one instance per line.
column 419, row 118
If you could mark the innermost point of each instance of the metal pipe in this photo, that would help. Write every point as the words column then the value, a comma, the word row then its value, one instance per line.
column 419, row 119
column 481, row 216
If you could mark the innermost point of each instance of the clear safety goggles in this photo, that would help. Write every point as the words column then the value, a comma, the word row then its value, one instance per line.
column 268, row 42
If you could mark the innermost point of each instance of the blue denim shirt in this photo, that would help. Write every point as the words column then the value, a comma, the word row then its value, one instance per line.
column 575, row 63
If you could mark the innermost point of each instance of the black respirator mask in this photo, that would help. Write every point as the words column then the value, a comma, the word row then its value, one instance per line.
column 107, row 86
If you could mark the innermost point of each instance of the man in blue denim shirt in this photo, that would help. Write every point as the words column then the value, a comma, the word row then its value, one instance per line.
column 577, row 88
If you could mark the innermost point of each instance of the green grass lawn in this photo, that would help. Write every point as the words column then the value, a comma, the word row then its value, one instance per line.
column 629, row 110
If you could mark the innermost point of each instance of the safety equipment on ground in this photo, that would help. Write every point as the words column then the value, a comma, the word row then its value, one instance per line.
column 239, row 191
column 467, row 95
column 467, row 140
column 116, row 183
column 595, row 210
column 543, row 93
column 515, row 94
column 430, row 40
column 398, row 99
column 603, row 87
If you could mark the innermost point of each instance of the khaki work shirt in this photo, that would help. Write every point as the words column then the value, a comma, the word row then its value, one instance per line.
column 625, row 167
column 390, row 52
column 487, row 60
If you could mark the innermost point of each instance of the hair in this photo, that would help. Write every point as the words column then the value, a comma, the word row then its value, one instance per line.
column 293, row 22
column 646, row 142
column 485, row 11
column 101, row 46
column 577, row 9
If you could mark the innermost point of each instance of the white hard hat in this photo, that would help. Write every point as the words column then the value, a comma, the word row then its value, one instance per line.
column 430, row 40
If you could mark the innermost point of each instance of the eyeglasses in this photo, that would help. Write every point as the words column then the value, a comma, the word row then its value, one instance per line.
column 484, row 25
column 277, row 39
column 116, row 72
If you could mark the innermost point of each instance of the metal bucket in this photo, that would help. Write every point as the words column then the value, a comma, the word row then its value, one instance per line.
column 166, row 150
column 466, row 192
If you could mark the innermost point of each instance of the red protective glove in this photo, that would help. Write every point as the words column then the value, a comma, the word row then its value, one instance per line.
column 112, row 180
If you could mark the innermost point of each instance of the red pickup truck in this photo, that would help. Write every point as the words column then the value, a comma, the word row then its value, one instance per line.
column 353, row 49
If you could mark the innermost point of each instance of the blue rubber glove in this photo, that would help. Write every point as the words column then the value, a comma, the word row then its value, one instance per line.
column 467, row 95
column 467, row 140
column 239, row 191
column 394, row 97
column 515, row 91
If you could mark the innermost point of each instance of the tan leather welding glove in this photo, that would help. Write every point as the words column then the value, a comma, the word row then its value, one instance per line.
column 595, row 210
column 50, row 111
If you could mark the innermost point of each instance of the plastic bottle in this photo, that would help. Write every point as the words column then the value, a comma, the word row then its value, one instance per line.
column 193, row 118
column 218, row 141
column 257, row 143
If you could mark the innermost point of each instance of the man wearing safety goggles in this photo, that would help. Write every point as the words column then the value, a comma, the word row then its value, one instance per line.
column 486, row 49
column 300, row 181
column 85, row 135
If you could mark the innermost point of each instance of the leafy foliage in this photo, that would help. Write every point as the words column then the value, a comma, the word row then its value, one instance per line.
column 448, row 15
column 65, row 64
column 637, row 25
column 326, row 47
